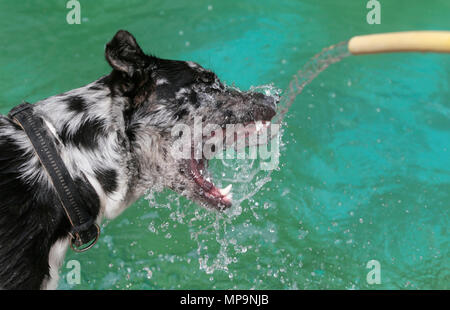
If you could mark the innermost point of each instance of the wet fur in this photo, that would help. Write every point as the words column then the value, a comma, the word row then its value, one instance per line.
column 113, row 134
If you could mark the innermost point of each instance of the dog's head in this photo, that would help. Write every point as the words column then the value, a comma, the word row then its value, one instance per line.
column 167, row 98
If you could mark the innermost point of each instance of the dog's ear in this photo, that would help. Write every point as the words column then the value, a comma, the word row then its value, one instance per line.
column 124, row 54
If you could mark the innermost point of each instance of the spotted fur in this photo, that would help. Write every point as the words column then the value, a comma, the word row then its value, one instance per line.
column 113, row 134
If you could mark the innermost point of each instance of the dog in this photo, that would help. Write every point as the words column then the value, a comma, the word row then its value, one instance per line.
column 114, row 137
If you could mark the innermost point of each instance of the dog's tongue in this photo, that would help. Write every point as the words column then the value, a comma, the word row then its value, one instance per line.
column 209, row 188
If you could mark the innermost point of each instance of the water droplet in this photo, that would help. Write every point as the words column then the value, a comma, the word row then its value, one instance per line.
column 149, row 272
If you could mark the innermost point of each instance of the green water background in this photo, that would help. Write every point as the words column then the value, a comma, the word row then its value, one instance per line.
column 364, row 172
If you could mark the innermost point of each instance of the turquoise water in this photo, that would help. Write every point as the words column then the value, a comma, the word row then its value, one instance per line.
column 364, row 170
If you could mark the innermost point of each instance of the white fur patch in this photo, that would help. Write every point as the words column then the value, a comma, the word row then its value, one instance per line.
column 55, row 260
column 161, row 81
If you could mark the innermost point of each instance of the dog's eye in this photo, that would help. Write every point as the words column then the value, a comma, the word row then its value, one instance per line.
column 207, row 77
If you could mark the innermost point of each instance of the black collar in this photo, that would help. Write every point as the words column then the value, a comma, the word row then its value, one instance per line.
column 84, row 230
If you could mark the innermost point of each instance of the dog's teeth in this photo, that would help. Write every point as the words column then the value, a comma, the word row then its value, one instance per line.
column 225, row 191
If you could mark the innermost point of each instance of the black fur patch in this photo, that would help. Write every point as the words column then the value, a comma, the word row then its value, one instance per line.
column 179, row 114
column 76, row 104
column 107, row 179
column 193, row 99
column 130, row 128
column 86, row 135
column 97, row 87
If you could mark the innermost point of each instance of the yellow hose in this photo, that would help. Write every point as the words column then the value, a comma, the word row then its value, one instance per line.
column 410, row 41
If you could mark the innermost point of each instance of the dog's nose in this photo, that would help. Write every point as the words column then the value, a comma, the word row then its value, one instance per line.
column 267, row 101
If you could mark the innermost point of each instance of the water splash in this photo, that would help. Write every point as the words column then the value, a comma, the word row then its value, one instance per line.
column 308, row 73
column 222, row 238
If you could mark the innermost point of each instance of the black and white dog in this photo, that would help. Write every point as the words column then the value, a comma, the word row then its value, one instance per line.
column 113, row 136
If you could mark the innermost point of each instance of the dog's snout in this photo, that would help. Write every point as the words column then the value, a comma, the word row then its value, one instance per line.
column 267, row 101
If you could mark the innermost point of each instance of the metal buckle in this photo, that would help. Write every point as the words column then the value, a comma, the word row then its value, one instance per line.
column 87, row 246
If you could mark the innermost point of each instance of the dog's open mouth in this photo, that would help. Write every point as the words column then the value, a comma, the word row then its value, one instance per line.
column 207, row 191
column 219, row 197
